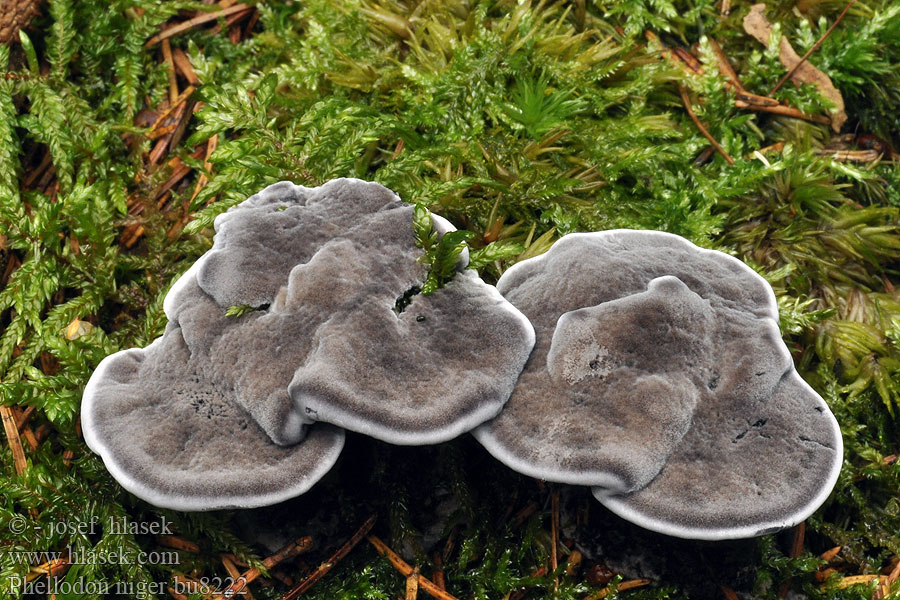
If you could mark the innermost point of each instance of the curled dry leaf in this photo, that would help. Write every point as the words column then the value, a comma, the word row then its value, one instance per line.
column 756, row 24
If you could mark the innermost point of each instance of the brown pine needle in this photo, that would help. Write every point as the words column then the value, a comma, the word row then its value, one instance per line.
column 403, row 567
column 329, row 564
column 797, row 543
column 829, row 555
column 30, row 439
column 211, row 146
column 298, row 546
column 438, row 574
column 191, row 23
column 170, row 63
column 780, row 109
column 728, row 593
column 23, row 417
column 179, row 543
column 235, row 573
column 814, row 47
column 725, row 67
column 412, row 585
column 625, row 585
column 554, row 533
column 703, row 130
column 15, row 443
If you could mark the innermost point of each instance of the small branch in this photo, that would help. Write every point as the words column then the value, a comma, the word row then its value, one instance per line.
column 625, row 585
column 235, row 574
column 438, row 574
column 329, row 564
column 23, row 417
column 191, row 23
column 173, row 105
column 211, row 146
column 858, row 156
column 184, row 66
column 15, row 443
column 179, row 543
column 703, row 130
column 797, row 543
column 401, row 565
column 554, row 533
column 170, row 64
column 815, row 47
column 725, row 66
column 412, row 585
column 296, row 547
column 749, row 101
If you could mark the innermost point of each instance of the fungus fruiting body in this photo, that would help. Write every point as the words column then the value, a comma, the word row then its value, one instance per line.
column 322, row 272
column 659, row 376
column 171, row 436
column 630, row 361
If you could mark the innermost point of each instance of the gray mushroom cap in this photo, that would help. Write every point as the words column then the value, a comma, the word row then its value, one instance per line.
column 659, row 376
column 344, row 355
column 328, row 343
column 169, row 435
column 259, row 241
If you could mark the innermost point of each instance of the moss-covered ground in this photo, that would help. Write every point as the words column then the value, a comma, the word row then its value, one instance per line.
column 127, row 126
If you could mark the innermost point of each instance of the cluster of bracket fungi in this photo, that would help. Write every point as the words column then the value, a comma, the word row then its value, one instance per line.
column 630, row 361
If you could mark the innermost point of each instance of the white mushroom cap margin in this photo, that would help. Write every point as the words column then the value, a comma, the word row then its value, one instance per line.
column 754, row 404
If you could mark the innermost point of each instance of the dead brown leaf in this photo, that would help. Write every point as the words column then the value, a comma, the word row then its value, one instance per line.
column 756, row 24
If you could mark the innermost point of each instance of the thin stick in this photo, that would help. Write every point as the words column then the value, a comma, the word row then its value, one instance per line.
column 173, row 79
column 179, row 543
column 176, row 102
column 296, row 547
column 815, row 47
column 829, row 555
column 703, row 130
column 412, row 585
column 797, row 544
column 28, row 434
column 401, row 565
column 23, row 417
column 521, row 516
column 329, row 564
column 235, row 573
column 625, row 585
column 184, row 66
column 725, row 66
column 191, row 23
column 211, row 146
column 554, row 533
column 15, row 443
column 438, row 574
column 780, row 109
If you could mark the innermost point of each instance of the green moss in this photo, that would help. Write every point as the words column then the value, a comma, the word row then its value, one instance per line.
column 520, row 122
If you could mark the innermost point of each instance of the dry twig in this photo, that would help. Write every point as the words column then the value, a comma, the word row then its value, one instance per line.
column 15, row 443
column 403, row 567
column 296, row 547
column 625, row 585
column 191, row 23
column 703, row 130
column 814, row 47
column 179, row 543
column 329, row 564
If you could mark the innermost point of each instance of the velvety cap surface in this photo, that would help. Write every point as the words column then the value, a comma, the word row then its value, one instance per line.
column 768, row 469
column 653, row 355
column 260, row 240
column 169, row 435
